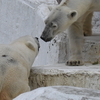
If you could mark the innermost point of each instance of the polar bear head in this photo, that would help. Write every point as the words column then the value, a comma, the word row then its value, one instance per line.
column 27, row 45
column 60, row 18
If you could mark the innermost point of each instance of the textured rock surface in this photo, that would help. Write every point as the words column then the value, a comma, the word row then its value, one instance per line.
column 91, row 50
column 96, row 23
column 87, row 76
column 60, row 93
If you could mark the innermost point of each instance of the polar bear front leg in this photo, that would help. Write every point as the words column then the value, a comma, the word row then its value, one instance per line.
column 75, row 44
column 87, row 26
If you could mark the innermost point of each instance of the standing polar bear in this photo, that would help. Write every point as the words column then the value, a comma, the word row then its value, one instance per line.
column 16, row 60
column 74, row 15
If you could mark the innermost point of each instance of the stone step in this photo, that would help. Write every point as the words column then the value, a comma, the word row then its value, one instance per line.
column 87, row 76
column 60, row 93
column 95, row 37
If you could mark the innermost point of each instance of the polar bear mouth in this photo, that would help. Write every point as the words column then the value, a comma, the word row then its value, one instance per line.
column 46, row 39
column 37, row 41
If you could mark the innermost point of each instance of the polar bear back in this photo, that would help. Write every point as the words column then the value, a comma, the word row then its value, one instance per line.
column 11, row 64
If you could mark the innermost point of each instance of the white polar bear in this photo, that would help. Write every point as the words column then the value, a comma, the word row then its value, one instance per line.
column 16, row 60
column 74, row 15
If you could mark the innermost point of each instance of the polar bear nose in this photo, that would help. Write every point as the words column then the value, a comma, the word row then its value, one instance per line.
column 36, row 38
column 42, row 37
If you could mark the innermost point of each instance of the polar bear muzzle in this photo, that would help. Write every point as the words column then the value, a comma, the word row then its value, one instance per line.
column 48, row 33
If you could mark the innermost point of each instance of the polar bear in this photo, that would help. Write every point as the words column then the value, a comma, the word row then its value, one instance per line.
column 16, row 60
column 74, row 15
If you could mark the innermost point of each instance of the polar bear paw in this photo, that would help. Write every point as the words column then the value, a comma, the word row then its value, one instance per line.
column 74, row 63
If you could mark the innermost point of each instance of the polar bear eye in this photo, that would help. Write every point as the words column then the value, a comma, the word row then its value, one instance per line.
column 51, row 23
column 73, row 14
column 54, row 25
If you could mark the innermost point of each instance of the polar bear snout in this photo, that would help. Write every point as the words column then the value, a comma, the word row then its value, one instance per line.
column 46, row 39
column 43, row 37
column 47, row 34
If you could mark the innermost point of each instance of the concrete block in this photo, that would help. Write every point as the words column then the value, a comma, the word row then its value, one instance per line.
column 87, row 76
column 96, row 22
column 91, row 49
column 59, row 51
column 60, row 93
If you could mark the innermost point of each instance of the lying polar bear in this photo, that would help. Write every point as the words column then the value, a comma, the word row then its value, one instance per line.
column 74, row 15
column 16, row 60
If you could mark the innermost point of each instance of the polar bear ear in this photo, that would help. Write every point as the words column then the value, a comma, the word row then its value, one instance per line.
column 30, row 45
column 72, row 14
column 51, row 7
column 58, row 1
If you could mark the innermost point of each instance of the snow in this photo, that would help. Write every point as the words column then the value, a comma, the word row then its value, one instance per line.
column 60, row 93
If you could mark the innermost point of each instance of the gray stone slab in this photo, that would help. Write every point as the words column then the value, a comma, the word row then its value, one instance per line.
column 87, row 76
column 91, row 50
column 60, row 93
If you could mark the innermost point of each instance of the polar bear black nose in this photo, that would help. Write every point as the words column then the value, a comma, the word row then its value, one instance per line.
column 42, row 37
column 36, row 38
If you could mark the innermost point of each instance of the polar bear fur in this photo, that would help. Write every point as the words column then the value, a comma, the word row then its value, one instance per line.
column 76, row 16
column 16, row 60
